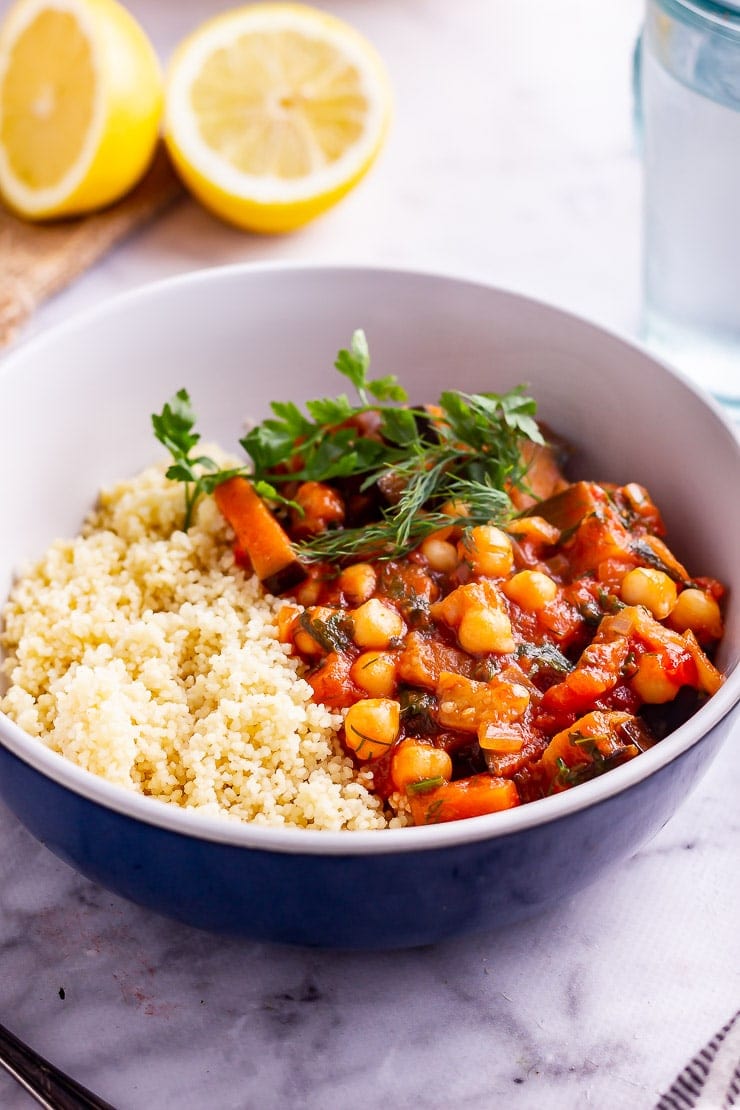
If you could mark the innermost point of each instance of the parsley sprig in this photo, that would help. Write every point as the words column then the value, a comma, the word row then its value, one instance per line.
column 326, row 445
column 466, row 449
column 200, row 474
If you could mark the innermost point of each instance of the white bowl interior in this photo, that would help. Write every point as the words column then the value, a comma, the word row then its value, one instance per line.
column 76, row 403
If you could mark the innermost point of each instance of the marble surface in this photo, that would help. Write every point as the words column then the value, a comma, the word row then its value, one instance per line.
column 511, row 159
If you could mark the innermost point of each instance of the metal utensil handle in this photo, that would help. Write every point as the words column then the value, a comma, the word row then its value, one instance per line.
column 50, row 1087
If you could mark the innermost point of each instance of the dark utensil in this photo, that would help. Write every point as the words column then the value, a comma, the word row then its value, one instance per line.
column 50, row 1087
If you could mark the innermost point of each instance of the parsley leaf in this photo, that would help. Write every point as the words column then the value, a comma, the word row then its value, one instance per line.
column 387, row 389
column 173, row 427
column 399, row 426
column 355, row 362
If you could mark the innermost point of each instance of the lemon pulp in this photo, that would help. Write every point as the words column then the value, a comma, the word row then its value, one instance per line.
column 51, row 74
column 270, row 106
column 273, row 112
column 80, row 105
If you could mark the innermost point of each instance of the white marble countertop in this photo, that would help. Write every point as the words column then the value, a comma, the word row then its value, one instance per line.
column 511, row 160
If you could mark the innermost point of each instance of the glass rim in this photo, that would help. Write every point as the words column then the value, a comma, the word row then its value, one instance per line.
column 720, row 13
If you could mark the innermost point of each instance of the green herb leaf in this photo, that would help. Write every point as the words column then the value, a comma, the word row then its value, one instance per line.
column 387, row 389
column 333, row 634
column 289, row 414
column 173, row 427
column 330, row 410
column 355, row 362
column 418, row 711
column 399, row 426
column 425, row 786
column 269, row 493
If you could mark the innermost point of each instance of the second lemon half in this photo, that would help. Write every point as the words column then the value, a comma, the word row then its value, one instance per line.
column 273, row 112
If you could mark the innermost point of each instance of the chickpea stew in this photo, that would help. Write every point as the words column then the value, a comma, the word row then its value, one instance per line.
column 491, row 632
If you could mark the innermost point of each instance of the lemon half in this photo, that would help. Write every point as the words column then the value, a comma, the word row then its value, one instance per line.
column 273, row 112
column 80, row 105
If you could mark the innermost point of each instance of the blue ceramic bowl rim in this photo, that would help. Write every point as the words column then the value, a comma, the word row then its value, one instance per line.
column 309, row 842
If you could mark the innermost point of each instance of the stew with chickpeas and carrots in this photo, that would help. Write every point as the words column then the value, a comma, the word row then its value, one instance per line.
column 491, row 632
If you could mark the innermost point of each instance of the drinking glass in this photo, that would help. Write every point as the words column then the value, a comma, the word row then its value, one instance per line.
column 690, row 113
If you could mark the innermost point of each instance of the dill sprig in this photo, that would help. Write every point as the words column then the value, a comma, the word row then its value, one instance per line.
column 407, row 524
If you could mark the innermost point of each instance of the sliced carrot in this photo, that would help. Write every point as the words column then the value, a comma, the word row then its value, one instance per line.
column 260, row 535
column 471, row 797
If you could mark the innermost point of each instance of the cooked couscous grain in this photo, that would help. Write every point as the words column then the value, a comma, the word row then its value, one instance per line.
column 145, row 655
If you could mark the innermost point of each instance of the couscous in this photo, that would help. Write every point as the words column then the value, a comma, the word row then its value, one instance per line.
column 145, row 654
column 392, row 615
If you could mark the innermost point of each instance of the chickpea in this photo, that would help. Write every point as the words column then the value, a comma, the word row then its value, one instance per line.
column 321, row 506
column 651, row 682
column 306, row 644
column 309, row 592
column 534, row 528
column 440, row 554
column 651, row 588
column 358, row 583
column 455, row 509
column 484, row 630
column 414, row 761
column 376, row 624
column 371, row 726
column 699, row 612
column 375, row 673
column 530, row 589
column 488, row 550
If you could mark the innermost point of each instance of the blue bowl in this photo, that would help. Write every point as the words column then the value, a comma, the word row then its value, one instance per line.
column 75, row 404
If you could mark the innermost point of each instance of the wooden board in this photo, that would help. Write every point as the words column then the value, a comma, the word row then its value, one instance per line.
column 37, row 260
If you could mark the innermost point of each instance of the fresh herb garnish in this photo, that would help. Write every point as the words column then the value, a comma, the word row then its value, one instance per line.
column 432, row 813
column 425, row 786
column 325, row 444
column 173, row 427
column 602, row 752
column 609, row 603
column 466, row 449
column 590, row 612
column 629, row 667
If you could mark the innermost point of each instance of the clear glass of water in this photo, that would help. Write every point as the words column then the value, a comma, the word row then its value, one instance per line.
column 690, row 92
